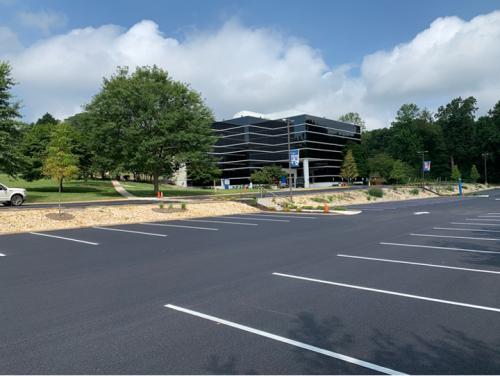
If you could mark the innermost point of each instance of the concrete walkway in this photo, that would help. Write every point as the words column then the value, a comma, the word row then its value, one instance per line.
column 122, row 191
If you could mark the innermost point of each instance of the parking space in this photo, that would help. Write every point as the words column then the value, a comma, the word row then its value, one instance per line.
column 383, row 292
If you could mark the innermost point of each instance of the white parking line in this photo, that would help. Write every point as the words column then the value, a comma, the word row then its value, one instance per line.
column 494, row 213
column 132, row 232
column 488, row 216
column 482, row 219
column 294, row 216
column 259, row 219
column 226, row 222
column 474, row 224
column 180, row 226
column 63, row 238
column 288, row 341
column 419, row 297
column 422, row 212
column 463, row 229
column 2, row 255
column 456, row 237
column 418, row 264
column 435, row 247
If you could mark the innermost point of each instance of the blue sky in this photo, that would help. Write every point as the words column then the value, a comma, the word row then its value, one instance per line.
column 338, row 34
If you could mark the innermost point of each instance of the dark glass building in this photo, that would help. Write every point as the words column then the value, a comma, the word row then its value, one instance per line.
column 248, row 143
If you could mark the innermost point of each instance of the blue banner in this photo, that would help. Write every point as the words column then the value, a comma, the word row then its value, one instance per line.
column 427, row 166
column 294, row 158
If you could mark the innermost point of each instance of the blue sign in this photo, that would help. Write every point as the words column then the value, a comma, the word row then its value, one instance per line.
column 294, row 158
column 427, row 166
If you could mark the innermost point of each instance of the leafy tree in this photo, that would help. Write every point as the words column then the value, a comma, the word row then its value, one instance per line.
column 457, row 122
column 267, row 175
column 156, row 124
column 381, row 165
column 349, row 169
column 474, row 174
column 33, row 147
column 60, row 163
column 360, row 155
column 455, row 173
column 10, row 160
column 47, row 119
column 399, row 171
column 354, row 118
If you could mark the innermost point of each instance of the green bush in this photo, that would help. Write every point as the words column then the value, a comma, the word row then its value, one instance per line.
column 340, row 208
column 183, row 206
column 161, row 205
column 319, row 199
column 286, row 209
column 299, row 209
column 308, row 207
column 414, row 191
column 376, row 192
column 170, row 206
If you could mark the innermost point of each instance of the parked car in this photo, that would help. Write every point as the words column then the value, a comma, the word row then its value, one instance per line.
column 12, row 196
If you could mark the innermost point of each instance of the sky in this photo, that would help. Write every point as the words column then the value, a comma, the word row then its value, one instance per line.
column 276, row 58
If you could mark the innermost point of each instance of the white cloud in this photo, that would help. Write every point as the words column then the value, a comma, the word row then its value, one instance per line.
column 9, row 41
column 43, row 20
column 238, row 68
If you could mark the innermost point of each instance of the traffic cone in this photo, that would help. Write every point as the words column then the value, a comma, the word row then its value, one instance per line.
column 326, row 209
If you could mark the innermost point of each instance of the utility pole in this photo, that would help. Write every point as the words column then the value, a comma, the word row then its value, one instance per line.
column 288, row 122
column 423, row 162
column 485, row 155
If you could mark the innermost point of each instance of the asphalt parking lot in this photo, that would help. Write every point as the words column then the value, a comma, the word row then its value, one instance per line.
column 408, row 287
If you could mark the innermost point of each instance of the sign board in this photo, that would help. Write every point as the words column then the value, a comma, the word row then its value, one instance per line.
column 294, row 158
column 427, row 166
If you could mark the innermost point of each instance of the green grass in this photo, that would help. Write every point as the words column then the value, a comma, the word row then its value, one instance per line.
column 146, row 190
column 46, row 190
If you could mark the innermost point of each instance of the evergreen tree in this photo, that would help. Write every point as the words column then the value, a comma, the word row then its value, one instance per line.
column 399, row 171
column 455, row 173
column 349, row 169
column 474, row 174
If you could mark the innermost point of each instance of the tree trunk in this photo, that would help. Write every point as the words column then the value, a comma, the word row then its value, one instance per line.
column 452, row 161
column 61, row 188
column 156, row 183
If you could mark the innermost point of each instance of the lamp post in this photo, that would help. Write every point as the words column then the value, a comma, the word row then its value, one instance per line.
column 423, row 162
column 288, row 123
column 485, row 155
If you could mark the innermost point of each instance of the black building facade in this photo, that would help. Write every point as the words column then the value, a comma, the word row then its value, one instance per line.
column 248, row 143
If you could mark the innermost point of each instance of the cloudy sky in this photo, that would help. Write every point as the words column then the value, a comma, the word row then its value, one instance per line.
column 272, row 57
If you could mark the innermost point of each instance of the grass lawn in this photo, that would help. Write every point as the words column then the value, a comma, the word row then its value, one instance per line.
column 146, row 190
column 46, row 190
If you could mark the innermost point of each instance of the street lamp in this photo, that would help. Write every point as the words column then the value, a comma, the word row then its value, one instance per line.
column 423, row 162
column 485, row 155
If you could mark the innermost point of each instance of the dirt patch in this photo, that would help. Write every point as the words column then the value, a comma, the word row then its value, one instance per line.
column 25, row 220
column 60, row 216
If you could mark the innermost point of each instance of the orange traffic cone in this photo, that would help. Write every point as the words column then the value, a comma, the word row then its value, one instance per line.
column 326, row 209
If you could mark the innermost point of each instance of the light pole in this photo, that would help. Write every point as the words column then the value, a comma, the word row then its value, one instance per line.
column 423, row 161
column 485, row 155
column 288, row 123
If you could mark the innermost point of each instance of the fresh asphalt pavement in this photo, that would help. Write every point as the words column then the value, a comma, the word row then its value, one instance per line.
column 410, row 287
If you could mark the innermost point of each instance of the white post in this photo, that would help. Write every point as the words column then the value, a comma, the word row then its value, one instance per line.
column 305, row 165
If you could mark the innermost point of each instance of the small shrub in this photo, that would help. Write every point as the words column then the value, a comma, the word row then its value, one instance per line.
column 308, row 207
column 376, row 192
column 183, row 206
column 368, row 198
column 339, row 208
column 299, row 209
column 286, row 209
column 161, row 205
column 170, row 206
column 319, row 207
column 319, row 199
column 414, row 191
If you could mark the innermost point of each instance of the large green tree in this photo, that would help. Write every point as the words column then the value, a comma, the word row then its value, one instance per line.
column 10, row 160
column 157, row 124
column 349, row 168
column 354, row 118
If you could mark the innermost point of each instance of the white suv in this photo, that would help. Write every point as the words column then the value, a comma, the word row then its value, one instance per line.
column 12, row 196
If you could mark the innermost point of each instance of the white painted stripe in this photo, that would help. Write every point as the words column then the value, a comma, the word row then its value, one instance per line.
column 488, row 216
column 463, row 229
column 420, row 213
column 419, row 297
column 226, row 222
column 456, row 237
column 419, row 264
column 288, row 341
column 63, row 238
column 132, row 232
column 482, row 219
column 494, row 213
column 2, row 255
column 435, row 247
column 180, row 226
column 474, row 224
column 294, row 216
column 481, row 196
column 259, row 219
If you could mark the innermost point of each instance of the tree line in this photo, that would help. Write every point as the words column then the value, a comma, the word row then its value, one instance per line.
column 142, row 123
column 454, row 139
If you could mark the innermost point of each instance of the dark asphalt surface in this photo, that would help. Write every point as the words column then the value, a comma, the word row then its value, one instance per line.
column 68, row 307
